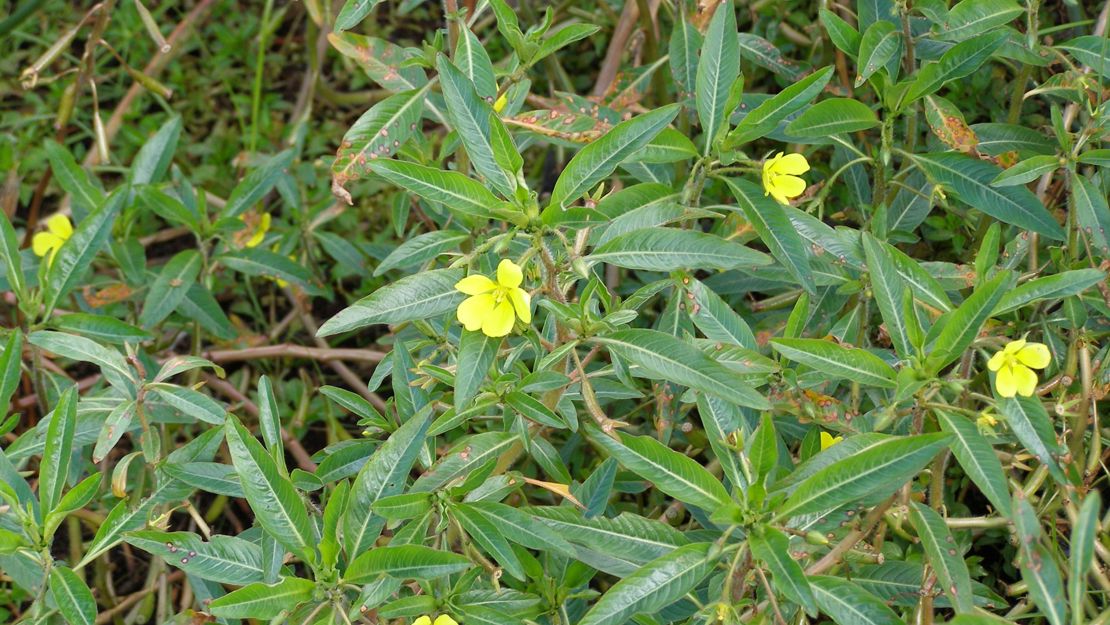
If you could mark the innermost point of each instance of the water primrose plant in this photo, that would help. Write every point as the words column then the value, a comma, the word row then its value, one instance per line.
column 493, row 312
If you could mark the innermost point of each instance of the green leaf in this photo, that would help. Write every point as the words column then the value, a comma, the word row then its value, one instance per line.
column 879, row 43
column 85, row 195
column 421, row 248
column 476, row 354
column 256, row 261
column 383, row 62
column 775, row 230
column 878, row 468
column 470, row 117
column 685, row 46
column 377, row 134
column 1091, row 212
column 418, row 296
column 1056, row 286
column 13, row 262
column 489, row 537
column 961, row 326
column 833, row 361
column 533, row 409
column 597, row 160
column 969, row 18
column 10, row 373
column 1029, row 421
column 353, row 12
column 773, row 548
column 716, row 319
column 123, row 519
column 764, row 54
column 564, row 37
column 155, row 156
column 970, row 178
column 522, row 528
column 833, row 116
column 224, row 559
column 765, row 117
column 653, row 587
column 457, row 192
column 977, row 458
column 472, row 59
column 383, row 474
column 848, row 604
column 190, row 402
column 56, row 456
column 263, row 601
column 115, row 426
column 1081, row 547
column 277, row 505
column 673, row 473
column 957, row 62
column 718, row 67
column 220, row 479
column 255, row 185
column 466, row 456
column 1038, row 568
column 944, row 555
column 74, row 258
column 110, row 361
column 169, row 288
column 404, row 562
column 665, row 357
column 72, row 596
column 100, row 328
column 842, row 34
column 671, row 249
column 887, row 287
column 1027, row 171
column 668, row 146
column 1090, row 50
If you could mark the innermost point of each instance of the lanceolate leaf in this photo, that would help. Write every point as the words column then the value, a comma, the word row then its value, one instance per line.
column 831, row 117
column 1082, row 548
column 773, row 548
column 263, row 601
column 224, row 559
column 944, row 555
column 971, row 179
column 878, row 44
column 418, row 296
column 72, row 596
column 666, row 357
column 774, row 229
column 377, row 134
column 959, row 61
column 718, row 67
column 1056, row 286
column 73, row 260
column 470, row 117
column 404, row 562
column 670, row 471
column 765, row 117
column 848, row 604
column 977, row 457
column 273, row 498
column 671, row 249
column 880, row 468
column 596, row 161
column 653, row 587
column 455, row 191
column 961, row 326
column 169, row 288
column 835, row 360
column 476, row 354
column 54, row 468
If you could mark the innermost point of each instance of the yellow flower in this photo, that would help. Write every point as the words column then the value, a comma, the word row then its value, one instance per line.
column 46, row 243
column 491, row 305
column 442, row 619
column 780, row 176
column 499, row 105
column 1013, row 367
column 828, row 440
column 257, row 227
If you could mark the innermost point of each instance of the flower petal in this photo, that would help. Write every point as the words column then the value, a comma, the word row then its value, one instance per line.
column 475, row 285
column 260, row 232
column 779, row 197
column 1004, row 382
column 996, row 361
column 60, row 225
column 44, row 243
column 499, row 321
column 522, row 303
column 828, row 440
column 473, row 312
column 1025, row 380
column 509, row 274
column 1034, row 355
column 423, row 620
column 443, row 619
column 793, row 164
column 1014, row 347
column 789, row 186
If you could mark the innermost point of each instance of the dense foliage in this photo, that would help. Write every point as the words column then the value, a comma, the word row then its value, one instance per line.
column 569, row 313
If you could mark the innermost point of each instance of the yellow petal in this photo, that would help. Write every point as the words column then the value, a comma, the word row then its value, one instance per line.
column 499, row 321
column 779, row 197
column 423, row 620
column 793, row 164
column 498, row 106
column 509, row 274
column 1014, row 347
column 475, row 285
column 522, row 303
column 443, row 619
column 260, row 231
column 474, row 311
column 1025, row 380
column 44, row 243
column 60, row 225
column 789, row 186
column 996, row 361
column 770, row 164
column 828, row 440
column 1034, row 355
column 1004, row 382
